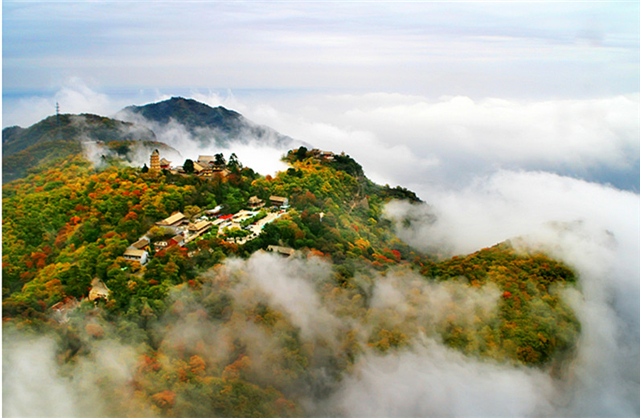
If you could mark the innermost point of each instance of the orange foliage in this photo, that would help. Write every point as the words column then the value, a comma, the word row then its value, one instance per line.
column 233, row 370
column 149, row 364
column 197, row 364
column 165, row 399
column 39, row 259
column 130, row 216
column 284, row 406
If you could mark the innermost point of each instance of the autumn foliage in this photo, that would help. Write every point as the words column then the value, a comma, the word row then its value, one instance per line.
column 207, row 341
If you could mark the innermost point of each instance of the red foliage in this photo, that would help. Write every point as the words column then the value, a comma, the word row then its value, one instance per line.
column 506, row 295
column 39, row 259
column 26, row 276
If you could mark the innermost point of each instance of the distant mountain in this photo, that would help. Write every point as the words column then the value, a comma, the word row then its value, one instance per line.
column 60, row 136
column 208, row 125
column 57, row 137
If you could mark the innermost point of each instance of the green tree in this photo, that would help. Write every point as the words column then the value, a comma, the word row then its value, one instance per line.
column 219, row 159
column 188, row 166
column 234, row 164
column 301, row 153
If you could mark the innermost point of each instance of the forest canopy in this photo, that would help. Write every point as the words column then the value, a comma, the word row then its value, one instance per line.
column 227, row 326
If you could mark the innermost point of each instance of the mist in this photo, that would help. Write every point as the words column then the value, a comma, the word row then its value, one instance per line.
column 448, row 141
column 490, row 170
column 595, row 229
column 414, row 141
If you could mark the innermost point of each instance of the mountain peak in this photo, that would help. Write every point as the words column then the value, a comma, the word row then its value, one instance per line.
column 205, row 123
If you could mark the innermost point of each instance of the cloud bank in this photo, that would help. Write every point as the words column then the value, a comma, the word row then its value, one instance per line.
column 417, row 142
column 412, row 140
column 593, row 228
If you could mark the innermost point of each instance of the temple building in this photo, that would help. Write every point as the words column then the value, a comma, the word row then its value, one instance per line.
column 155, row 161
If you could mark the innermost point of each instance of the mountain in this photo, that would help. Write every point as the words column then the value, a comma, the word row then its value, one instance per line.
column 208, row 125
column 61, row 136
column 218, row 322
column 77, row 128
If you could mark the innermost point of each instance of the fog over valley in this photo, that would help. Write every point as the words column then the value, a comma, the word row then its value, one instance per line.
column 469, row 245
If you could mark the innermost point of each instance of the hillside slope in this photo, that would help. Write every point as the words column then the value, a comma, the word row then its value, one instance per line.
column 67, row 127
column 222, row 326
column 59, row 137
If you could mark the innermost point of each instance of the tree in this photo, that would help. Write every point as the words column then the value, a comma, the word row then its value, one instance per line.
column 188, row 166
column 191, row 211
column 219, row 159
column 145, row 169
column 301, row 153
column 234, row 164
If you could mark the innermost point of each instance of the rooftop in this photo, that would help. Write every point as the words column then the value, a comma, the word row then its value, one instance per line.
column 176, row 217
column 130, row 252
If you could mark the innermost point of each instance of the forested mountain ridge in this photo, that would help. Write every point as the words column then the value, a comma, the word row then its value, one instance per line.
column 208, row 125
column 70, row 127
column 217, row 328
column 61, row 136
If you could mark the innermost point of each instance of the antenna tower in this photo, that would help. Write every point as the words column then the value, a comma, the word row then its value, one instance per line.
column 58, row 114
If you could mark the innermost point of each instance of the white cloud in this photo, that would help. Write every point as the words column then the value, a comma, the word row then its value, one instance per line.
column 31, row 386
column 410, row 140
column 435, row 381
column 291, row 287
column 593, row 228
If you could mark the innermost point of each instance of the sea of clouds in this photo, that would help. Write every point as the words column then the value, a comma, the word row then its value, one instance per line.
column 559, row 175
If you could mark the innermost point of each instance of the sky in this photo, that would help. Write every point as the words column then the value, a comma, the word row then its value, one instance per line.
column 509, row 119
column 447, row 91
column 479, row 49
